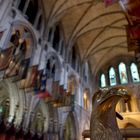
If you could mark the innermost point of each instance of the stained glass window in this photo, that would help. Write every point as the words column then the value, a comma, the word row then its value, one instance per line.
column 123, row 74
column 103, row 81
column 112, row 76
column 134, row 73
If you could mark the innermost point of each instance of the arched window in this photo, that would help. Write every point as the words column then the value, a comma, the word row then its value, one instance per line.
column 32, row 10
column 56, row 38
column 19, row 52
column 123, row 73
column 103, row 81
column 21, row 5
column 86, row 99
column 51, row 68
column 112, row 76
column 39, row 24
column 73, row 57
column 62, row 49
column 50, row 34
column 78, row 65
column 134, row 73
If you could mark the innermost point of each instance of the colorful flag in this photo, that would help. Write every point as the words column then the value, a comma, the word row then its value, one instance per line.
column 38, row 82
column 49, row 85
column 5, row 56
column 44, row 94
column 40, row 85
column 13, row 68
column 23, row 70
column 55, row 89
column 29, row 81
column 132, row 10
column 133, row 39
column 43, row 82
column 61, row 90
column 134, row 32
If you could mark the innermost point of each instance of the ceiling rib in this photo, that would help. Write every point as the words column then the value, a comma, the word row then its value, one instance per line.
column 106, row 47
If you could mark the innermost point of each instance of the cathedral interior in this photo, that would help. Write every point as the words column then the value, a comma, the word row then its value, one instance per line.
column 55, row 54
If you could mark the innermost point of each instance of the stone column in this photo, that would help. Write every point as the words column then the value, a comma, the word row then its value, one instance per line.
column 129, row 76
column 107, row 78
column 117, row 75
column 37, row 18
column 26, row 6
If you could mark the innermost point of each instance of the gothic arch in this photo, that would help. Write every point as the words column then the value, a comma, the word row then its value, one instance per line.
column 130, row 125
column 45, row 112
column 70, row 131
column 53, row 54
column 15, row 100
column 40, row 120
column 133, row 123
column 28, row 27
column 21, row 43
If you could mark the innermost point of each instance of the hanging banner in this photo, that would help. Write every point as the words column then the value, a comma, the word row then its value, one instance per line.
column 37, row 84
column 55, row 89
column 23, row 70
column 40, row 85
column 29, row 81
column 61, row 90
column 17, row 68
column 44, row 94
column 5, row 56
column 133, row 40
column 134, row 32
column 49, row 85
column 132, row 9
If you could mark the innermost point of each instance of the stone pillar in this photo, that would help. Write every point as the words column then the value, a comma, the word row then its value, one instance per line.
column 37, row 18
column 26, row 6
column 129, row 76
column 107, row 78
column 117, row 75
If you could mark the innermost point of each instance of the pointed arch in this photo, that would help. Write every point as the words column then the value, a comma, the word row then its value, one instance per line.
column 32, row 10
column 112, row 77
column 70, row 128
column 53, row 64
column 134, row 73
column 123, row 73
column 102, row 80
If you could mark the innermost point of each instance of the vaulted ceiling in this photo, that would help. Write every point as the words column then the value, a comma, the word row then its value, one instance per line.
column 98, row 31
